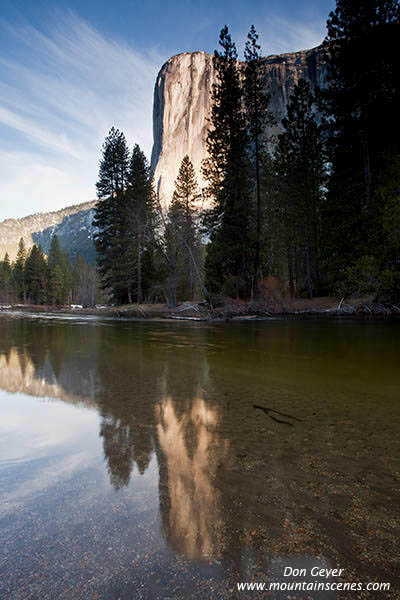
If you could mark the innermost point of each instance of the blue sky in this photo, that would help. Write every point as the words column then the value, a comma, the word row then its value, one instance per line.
column 70, row 70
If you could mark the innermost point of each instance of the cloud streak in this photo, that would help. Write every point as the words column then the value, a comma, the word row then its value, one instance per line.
column 58, row 100
column 279, row 35
column 282, row 35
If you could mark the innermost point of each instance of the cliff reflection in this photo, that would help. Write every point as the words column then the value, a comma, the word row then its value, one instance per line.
column 190, row 504
column 149, row 399
column 19, row 373
column 48, row 362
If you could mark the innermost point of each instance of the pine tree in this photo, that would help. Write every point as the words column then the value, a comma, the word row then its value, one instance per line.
column 258, row 118
column 139, row 220
column 55, row 252
column 59, row 273
column 183, row 213
column 110, row 214
column 274, row 245
column 173, row 250
column 170, row 248
column 361, row 107
column 18, row 271
column 186, row 188
column 300, row 163
column 7, row 283
column 35, row 276
column 56, row 285
column 226, row 170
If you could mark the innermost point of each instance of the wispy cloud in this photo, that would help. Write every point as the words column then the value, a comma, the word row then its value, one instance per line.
column 283, row 35
column 58, row 100
column 279, row 35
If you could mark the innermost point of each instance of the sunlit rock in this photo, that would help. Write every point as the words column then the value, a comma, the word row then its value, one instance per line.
column 182, row 101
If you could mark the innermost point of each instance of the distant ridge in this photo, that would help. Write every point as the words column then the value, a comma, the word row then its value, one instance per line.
column 72, row 225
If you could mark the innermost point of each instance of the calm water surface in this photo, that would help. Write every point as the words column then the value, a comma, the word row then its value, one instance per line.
column 135, row 461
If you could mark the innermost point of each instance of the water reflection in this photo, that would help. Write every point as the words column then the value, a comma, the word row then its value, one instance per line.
column 232, row 482
column 190, row 503
column 146, row 405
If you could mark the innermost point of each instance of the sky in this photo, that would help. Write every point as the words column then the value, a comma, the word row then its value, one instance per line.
column 70, row 70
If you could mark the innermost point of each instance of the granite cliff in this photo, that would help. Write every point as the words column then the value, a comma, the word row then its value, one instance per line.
column 182, row 103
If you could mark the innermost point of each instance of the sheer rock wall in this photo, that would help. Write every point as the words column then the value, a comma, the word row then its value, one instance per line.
column 182, row 101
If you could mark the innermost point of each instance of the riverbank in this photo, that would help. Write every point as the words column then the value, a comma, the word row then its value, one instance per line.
column 225, row 311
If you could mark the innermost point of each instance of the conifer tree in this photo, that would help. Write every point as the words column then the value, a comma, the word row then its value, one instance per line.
column 170, row 248
column 59, row 273
column 139, row 219
column 7, row 283
column 110, row 214
column 361, row 108
column 18, row 271
column 183, row 213
column 35, row 276
column 226, row 170
column 186, row 187
column 56, row 285
column 274, row 243
column 173, row 249
column 300, row 163
column 258, row 117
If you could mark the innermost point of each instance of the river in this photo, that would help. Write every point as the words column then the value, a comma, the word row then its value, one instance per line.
column 150, row 460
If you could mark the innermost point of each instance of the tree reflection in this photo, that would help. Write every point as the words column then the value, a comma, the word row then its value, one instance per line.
column 119, row 447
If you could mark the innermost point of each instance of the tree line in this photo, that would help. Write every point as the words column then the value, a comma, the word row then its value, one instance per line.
column 34, row 278
column 142, row 252
column 315, row 209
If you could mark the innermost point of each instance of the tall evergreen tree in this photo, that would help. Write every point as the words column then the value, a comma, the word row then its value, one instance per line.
column 170, row 248
column 56, row 285
column 59, row 273
column 18, row 271
column 109, row 213
column 7, row 283
column 274, row 227
column 300, row 163
column 139, row 220
column 258, row 117
column 226, row 170
column 361, row 106
column 35, row 276
column 184, row 212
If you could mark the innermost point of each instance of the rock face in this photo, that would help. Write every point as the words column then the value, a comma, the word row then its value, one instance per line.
column 182, row 101
column 72, row 225
column 180, row 110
